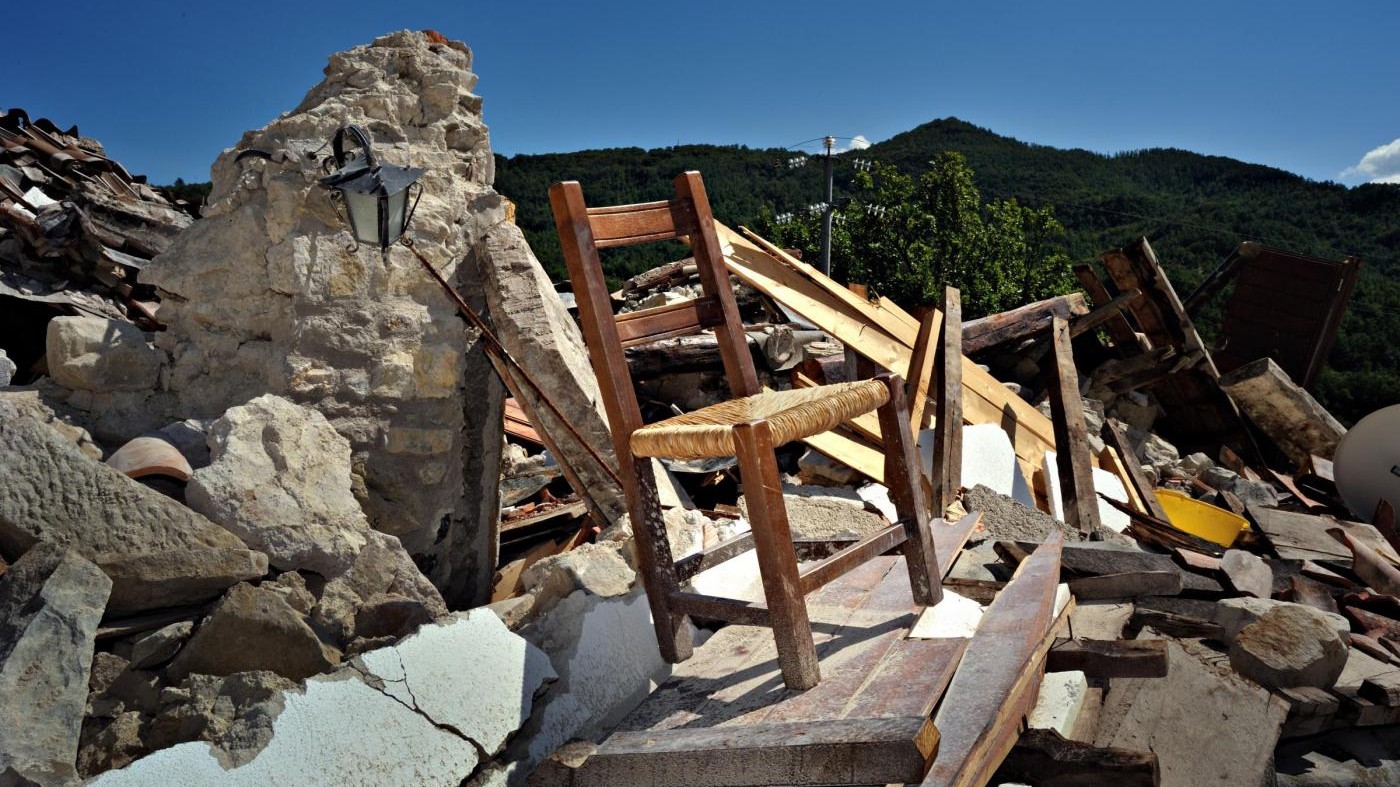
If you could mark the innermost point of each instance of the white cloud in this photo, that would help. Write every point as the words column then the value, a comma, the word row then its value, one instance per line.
column 1379, row 165
column 859, row 142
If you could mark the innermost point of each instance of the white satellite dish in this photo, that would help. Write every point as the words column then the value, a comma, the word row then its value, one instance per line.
column 1367, row 463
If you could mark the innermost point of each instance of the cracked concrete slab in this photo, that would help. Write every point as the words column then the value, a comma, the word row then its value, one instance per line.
column 405, row 714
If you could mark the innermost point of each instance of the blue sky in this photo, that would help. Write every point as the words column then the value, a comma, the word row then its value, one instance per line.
column 1308, row 87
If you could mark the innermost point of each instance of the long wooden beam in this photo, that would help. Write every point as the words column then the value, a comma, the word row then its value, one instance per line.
column 1073, row 457
column 981, row 713
column 947, row 448
column 1019, row 323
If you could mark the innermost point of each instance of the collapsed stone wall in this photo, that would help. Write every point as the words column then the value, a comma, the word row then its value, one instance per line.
column 263, row 295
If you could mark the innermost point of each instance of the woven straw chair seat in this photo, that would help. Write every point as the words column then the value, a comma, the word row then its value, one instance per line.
column 801, row 412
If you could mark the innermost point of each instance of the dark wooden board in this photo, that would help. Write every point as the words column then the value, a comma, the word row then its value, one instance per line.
column 725, row 717
column 982, row 710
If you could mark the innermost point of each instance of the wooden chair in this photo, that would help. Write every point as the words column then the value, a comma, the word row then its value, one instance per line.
column 748, row 427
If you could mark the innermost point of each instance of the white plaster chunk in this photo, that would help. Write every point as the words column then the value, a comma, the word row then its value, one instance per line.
column 426, row 671
column 606, row 655
column 1062, row 597
column 878, row 496
column 954, row 616
column 1054, row 493
column 1060, row 701
column 988, row 459
column 339, row 733
column 1106, row 483
column 737, row 577
column 467, row 676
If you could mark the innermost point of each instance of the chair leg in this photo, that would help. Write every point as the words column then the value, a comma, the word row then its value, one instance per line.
column 655, row 563
column 903, row 477
column 777, row 560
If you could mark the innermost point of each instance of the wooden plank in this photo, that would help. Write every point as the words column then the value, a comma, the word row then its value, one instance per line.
column 1113, row 436
column 836, row 751
column 889, row 316
column 871, row 546
column 1297, row 536
column 948, row 420
column 1073, row 457
column 858, row 456
column 732, row 610
column 1127, row 584
column 949, row 538
column 904, row 479
column 669, row 321
column 1109, row 460
column 1121, row 658
column 919, row 381
column 908, row 663
column 1144, row 310
column 518, row 424
column 980, row 715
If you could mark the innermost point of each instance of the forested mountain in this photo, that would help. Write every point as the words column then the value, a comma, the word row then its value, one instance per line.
column 1193, row 208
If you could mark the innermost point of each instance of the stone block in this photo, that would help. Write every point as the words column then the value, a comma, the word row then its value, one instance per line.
column 1288, row 414
column 1233, row 614
column 1289, row 646
column 50, row 603
column 93, row 354
column 157, row 552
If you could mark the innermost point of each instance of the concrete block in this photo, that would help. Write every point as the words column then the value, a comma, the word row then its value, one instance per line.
column 1059, row 703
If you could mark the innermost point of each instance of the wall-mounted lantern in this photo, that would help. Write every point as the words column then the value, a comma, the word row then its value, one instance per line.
column 372, row 198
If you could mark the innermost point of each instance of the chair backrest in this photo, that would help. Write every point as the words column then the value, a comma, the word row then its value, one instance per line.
column 584, row 230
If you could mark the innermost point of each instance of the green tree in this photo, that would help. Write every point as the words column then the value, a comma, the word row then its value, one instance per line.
column 906, row 237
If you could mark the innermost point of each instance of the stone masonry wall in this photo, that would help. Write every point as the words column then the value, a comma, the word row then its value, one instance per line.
column 262, row 295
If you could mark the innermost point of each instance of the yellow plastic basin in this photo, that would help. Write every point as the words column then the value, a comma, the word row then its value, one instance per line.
column 1201, row 519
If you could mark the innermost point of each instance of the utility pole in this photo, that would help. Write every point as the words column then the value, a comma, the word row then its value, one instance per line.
column 829, row 208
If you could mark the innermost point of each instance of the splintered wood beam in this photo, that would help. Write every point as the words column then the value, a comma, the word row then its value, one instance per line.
column 1019, row 323
column 1125, row 339
column 1088, row 322
column 948, row 421
column 1122, row 658
column 1072, row 455
column 1045, row 757
column 1113, row 435
column 994, row 688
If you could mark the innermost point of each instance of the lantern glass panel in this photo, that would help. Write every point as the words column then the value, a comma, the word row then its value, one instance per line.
column 364, row 216
column 398, row 205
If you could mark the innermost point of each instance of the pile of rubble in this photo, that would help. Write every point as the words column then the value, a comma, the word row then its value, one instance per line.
column 294, row 530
